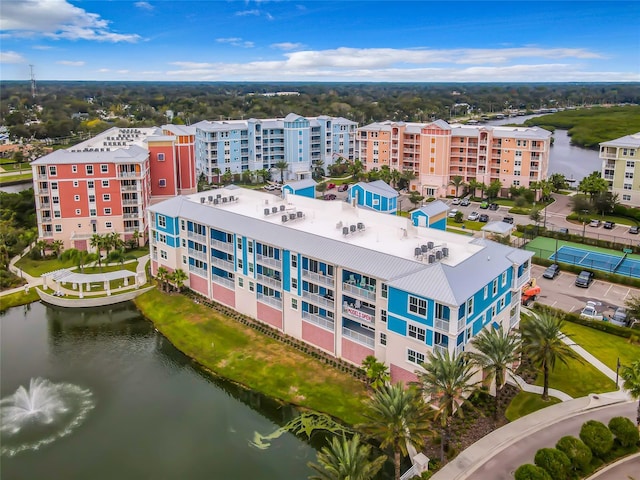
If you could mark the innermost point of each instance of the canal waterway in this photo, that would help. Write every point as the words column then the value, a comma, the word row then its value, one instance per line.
column 117, row 400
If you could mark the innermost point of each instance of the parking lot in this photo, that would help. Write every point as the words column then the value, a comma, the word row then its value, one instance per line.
column 563, row 294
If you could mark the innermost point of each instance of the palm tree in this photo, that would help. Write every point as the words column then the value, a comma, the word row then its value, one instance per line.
column 385, row 173
column 80, row 257
column 178, row 277
column 446, row 378
column 57, row 246
column 543, row 343
column 113, row 240
column 395, row 177
column 397, row 417
column 356, row 168
column 457, row 181
column 216, row 172
column 497, row 351
column 377, row 372
column 345, row 459
column 631, row 376
column 162, row 276
column 97, row 241
column 264, row 174
column 119, row 256
column 474, row 185
column 41, row 247
column 282, row 165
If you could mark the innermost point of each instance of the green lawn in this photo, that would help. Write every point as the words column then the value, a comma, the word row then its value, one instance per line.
column 19, row 298
column 242, row 354
column 14, row 178
column 525, row 403
column 605, row 347
column 36, row 268
column 578, row 379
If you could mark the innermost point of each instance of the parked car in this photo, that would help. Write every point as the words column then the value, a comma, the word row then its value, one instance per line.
column 584, row 279
column 634, row 230
column 344, row 187
column 508, row 220
column 330, row 196
column 455, row 201
column 452, row 213
column 551, row 271
column 493, row 206
column 330, row 186
column 564, row 231
column 473, row 216
column 483, row 218
column 594, row 223
column 609, row 225
column 269, row 188
column 620, row 316
column 484, row 205
column 589, row 312
column 465, row 202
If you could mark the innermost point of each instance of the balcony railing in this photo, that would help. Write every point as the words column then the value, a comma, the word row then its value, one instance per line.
column 270, row 261
column 358, row 337
column 131, row 229
column 273, row 301
column 271, row 281
column 462, row 323
column 225, row 282
column 47, row 234
column 514, row 320
column 224, row 264
column 43, row 190
column 222, row 246
column 518, row 282
column 130, row 215
column 197, row 237
column 129, row 188
column 443, row 349
column 128, row 201
column 369, row 294
column 42, row 176
column 318, row 278
column 197, row 254
column 319, row 300
column 442, row 325
column 46, row 219
column 323, row 322
column 198, row 271
column 122, row 174
column 361, row 314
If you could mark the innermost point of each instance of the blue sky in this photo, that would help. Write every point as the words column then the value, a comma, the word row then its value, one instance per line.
column 348, row 41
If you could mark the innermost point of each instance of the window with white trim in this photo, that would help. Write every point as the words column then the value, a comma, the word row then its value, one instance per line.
column 241, row 282
column 417, row 332
column 418, row 305
column 494, row 287
column 504, row 278
column 294, row 284
column 106, row 197
column 53, row 171
column 58, row 228
column 162, row 221
column 89, row 169
column 104, row 168
column 162, row 182
column 55, row 200
column 294, row 303
column 57, row 214
column 626, row 198
column 78, row 211
column 162, row 238
column 74, row 169
column 161, row 157
column 108, row 224
column 415, row 357
column 76, row 198
column 90, row 184
column 486, row 292
column 105, row 183
column 294, row 261
column 54, row 185
column 384, row 290
column 470, row 306
column 184, row 259
column 107, row 211
column 502, row 302
column 76, row 183
column 383, row 316
column 163, row 254
column 383, row 338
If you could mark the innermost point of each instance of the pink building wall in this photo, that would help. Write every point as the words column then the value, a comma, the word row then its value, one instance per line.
column 401, row 375
column 270, row 315
column 318, row 336
column 354, row 352
column 198, row 284
column 162, row 169
column 224, row 295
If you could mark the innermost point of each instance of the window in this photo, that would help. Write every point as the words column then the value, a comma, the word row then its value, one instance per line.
column 294, row 261
column 55, row 200
column 415, row 357
column 294, row 303
column 241, row 282
column 182, row 225
column 104, row 168
column 108, row 224
column 251, row 268
column 75, row 183
column 486, row 292
column 630, row 164
column 107, row 211
column 74, row 168
column 163, row 254
column 442, row 311
column 502, row 302
column 162, row 182
column 470, row 306
column 294, row 284
column 417, row 332
column 240, row 264
column 161, row 157
column 418, row 305
column 76, row 198
column 184, row 243
column 57, row 214
column 53, row 171
column 90, row 184
column 626, row 198
column 239, row 243
column 105, row 183
column 58, row 228
column 162, row 238
column 92, row 198
column 106, row 197
column 504, row 278
column 628, row 175
column 54, row 185
column 384, row 290
column 162, row 221
column 383, row 316
column 184, row 259
column 89, row 169
column 383, row 338
column 494, row 287
column 627, row 186
column 78, row 211
column 252, row 286
column 249, row 246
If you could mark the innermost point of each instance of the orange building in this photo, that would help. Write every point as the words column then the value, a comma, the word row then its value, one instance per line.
column 437, row 151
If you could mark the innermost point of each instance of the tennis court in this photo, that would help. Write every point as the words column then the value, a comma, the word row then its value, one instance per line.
column 605, row 262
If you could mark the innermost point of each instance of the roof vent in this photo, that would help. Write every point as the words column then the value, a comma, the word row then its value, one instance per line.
column 292, row 216
column 438, row 255
column 299, row 214
column 360, row 226
column 219, row 195
column 216, row 201
column 424, row 248
column 210, row 198
column 224, row 199
column 232, row 198
column 352, row 228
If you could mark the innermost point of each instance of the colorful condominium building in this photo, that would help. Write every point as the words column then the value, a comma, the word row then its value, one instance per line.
column 105, row 184
column 621, row 167
column 436, row 152
column 240, row 145
column 350, row 281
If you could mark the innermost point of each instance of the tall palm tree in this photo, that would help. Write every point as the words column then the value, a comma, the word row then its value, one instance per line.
column 497, row 351
column 631, row 376
column 457, row 181
column 97, row 241
column 346, row 459
column 178, row 277
column 57, row 246
column 356, row 168
column 385, row 173
column 282, row 165
column 79, row 257
column 162, row 276
column 474, row 185
column 542, row 342
column 446, row 378
column 377, row 372
column 397, row 417
column 41, row 247
column 113, row 240
column 395, row 177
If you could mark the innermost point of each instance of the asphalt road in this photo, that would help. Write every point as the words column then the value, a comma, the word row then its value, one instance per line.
column 625, row 469
column 502, row 466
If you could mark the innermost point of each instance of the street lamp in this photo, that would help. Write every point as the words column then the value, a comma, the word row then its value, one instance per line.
column 584, row 223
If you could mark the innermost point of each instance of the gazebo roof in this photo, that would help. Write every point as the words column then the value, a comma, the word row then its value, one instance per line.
column 67, row 276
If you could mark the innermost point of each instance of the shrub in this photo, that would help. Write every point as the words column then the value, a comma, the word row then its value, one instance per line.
column 597, row 437
column 578, row 453
column 555, row 462
column 531, row 472
column 624, row 430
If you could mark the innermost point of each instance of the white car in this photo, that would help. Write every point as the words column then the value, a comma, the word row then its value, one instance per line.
column 473, row 216
column 455, row 201
column 452, row 213
column 589, row 312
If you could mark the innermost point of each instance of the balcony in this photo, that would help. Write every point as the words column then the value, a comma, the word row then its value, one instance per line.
column 270, row 281
column 131, row 215
column 362, row 338
column 47, row 234
column 273, row 301
column 42, row 176
column 46, row 219
column 225, row 282
column 520, row 281
column 223, row 264
column 222, row 246
column 197, row 254
column 198, row 271
column 323, row 322
column 123, row 174
column 129, row 188
column 317, row 299
column 442, row 325
column 443, row 349
column 129, row 201
column 359, row 313
column 197, row 237
column 318, row 278
column 366, row 293
column 269, row 261
column 43, row 190
column 131, row 229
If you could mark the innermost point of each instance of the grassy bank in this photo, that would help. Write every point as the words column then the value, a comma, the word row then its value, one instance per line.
column 17, row 299
column 241, row 354
column 525, row 403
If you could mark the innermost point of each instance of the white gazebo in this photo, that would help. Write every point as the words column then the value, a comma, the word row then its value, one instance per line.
column 79, row 279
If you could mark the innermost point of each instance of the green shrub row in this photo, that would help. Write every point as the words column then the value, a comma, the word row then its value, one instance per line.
column 575, row 458
column 629, row 212
column 624, row 332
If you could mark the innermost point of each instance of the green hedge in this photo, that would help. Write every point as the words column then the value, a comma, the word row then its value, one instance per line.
column 623, row 332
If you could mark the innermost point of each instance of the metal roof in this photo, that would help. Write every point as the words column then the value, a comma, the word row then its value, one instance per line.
column 380, row 187
column 632, row 141
column 306, row 183
column 434, row 208
column 131, row 154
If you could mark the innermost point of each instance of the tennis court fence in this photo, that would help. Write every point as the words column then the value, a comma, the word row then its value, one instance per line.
column 616, row 265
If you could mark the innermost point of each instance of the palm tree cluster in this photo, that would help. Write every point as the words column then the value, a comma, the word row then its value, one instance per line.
column 166, row 279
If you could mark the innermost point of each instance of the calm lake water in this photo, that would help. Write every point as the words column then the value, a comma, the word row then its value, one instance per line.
column 152, row 414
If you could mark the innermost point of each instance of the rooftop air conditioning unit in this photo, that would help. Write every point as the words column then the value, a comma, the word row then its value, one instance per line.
column 266, row 212
column 345, row 230
column 224, row 199
column 417, row 251
column 445, row 251
column 352, row 228
column 424, row 248
column 216, row 201
column 274, row 209
column 210, row 198
column 282, row 207
column 430, row 245
column 284, row 218
column 432, row 258
column 438, row 255
column 299, row 214
column 202, row 199
column 231, row 198
column 292, row 216
column 360, row 226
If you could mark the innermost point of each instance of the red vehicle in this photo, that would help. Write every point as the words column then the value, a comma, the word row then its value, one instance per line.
column 343, row 188
column 530, row 292
column 330, row 186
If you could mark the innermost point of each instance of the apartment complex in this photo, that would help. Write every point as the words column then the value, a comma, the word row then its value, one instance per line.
column 436, row 152
column 105, row 184
column 621, row 167
column 248, row 145
column 350, row 281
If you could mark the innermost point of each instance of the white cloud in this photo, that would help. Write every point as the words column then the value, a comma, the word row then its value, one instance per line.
column 11, row 57
column 144, row 6
column 245, row 13
column 42, row 47
column 286, row 45
column 57, row 19
column 71, row 63
column 236, row 42
column 104, row 70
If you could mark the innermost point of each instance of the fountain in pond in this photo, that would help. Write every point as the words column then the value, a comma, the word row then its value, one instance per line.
column 38, row 415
